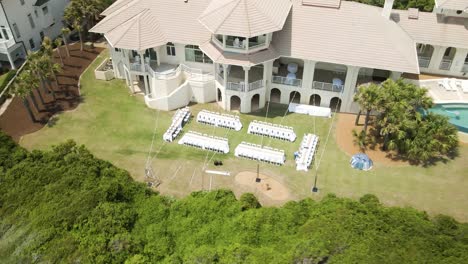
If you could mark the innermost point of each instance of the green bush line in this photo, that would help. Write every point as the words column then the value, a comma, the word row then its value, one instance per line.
column 66, row 206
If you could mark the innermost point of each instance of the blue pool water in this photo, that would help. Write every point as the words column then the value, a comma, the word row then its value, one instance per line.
column 458, row 114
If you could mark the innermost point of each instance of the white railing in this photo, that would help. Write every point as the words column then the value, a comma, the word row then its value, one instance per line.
column 257, row 45
column 424, row 62
column 135, row 66
column 445, row 64
column 465, row 68
column 287, row 81
column 241, row 87
column 327, row 87
column 255, row 85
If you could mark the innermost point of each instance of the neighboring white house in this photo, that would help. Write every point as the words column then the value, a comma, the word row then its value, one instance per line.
column 243, row 53
column 23, row 24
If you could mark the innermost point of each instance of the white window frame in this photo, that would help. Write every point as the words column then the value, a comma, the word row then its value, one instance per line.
column 191, row 56
column 170, row 49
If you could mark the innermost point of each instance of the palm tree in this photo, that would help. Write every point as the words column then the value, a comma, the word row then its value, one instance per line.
column 368, row 98
column 58, row 43
column 23, row 90
column 65, row 32
column 36, row 67
column 77, row 26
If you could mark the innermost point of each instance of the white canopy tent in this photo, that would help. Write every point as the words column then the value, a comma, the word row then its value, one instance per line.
column 310, row 110
column 259, row 153
column 219, row 120
column 195, row 139
column 272, row 130
column 180, row 118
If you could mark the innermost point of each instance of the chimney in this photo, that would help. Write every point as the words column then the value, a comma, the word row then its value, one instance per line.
column 387, row 9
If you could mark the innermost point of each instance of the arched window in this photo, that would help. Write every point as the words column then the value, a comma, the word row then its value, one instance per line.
column 193, row 53
column 170, row 49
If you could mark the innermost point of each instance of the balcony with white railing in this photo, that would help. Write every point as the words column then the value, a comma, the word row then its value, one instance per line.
column 424, row 61
column 281, row 75
column 5, row 44
column 328, row 80
column 287, row 81
column 445, row 64
column 327, row 87
column 241, row 44
column 241, row 87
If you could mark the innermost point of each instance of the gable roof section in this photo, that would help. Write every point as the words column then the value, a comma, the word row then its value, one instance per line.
column 141, row 32
column 159, row 22
column 434, row 29
column 452, row 4
column 355, row 34
column 245, row 18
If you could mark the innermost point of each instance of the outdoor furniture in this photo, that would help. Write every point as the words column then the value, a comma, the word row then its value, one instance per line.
column 219, row 120
column 290, row 78
column 180, row 118
column 464, row 86
column 271, row 130
column 337, row 82
column 306, row 152
column 205, row 142
column 292, row 67
column 446, row 84
column 259, row 153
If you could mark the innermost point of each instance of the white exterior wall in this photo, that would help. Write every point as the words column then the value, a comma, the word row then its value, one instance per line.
column 50, row 24
column 457, row 62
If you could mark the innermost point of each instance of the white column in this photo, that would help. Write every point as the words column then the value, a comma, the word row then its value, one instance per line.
column 458, row 61
column 224, row 41
column 225, row 75
column 395, row 75
column 10, row 59
column 349, row 87
column 146, row 84
column 142, row 60
column 245, row 101
column 130, row 78
column 158, row 56
column 307, row 80
column 436, row 57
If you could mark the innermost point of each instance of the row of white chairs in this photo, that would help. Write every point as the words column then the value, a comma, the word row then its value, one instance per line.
column 180, row 118
column 205, row 142
column 219, row 120
column 259, row 153
column 306, row 153
column 272, row 130
column 454, row 85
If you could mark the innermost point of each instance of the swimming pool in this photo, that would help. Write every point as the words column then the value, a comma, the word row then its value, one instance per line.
column 457, row 114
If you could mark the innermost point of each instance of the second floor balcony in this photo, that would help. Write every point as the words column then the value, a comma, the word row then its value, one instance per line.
column 287, row 74
column 241, row 44
column 236, row 79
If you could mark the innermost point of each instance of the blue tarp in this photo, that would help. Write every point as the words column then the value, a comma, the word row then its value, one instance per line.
column 361, row 161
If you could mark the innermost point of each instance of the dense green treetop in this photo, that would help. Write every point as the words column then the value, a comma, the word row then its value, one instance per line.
column 422, row 5
column 66, row 206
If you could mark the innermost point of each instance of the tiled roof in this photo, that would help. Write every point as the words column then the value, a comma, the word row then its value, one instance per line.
column 452, row 4
column 245, row 18
column 434, row 29
column 355, row 34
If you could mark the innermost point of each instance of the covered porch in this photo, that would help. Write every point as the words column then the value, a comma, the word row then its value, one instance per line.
column 238, row 76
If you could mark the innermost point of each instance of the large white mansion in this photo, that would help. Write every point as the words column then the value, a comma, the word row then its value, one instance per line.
column 242, row 53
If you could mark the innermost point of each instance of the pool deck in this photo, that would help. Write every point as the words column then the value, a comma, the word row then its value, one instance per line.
column 439, row 94
column 463, row 137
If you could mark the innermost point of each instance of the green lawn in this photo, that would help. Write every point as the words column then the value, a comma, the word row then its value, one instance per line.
column 118, row 127
column 5, row 78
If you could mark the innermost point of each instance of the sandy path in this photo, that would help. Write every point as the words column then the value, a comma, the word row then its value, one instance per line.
column 268, row 187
